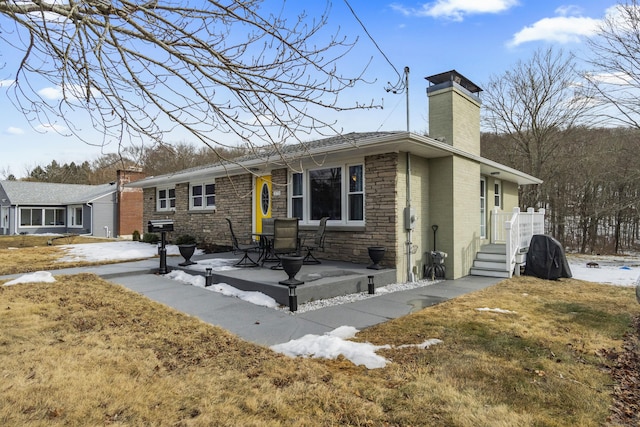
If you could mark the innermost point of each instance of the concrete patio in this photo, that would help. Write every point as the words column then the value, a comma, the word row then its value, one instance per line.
column 321, row 281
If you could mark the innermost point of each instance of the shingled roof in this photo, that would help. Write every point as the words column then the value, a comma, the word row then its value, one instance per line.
column 49, row 194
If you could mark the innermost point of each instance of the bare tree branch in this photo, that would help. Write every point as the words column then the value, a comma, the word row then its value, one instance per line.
column 616, row 61
column 534, row 104
column 222, row 71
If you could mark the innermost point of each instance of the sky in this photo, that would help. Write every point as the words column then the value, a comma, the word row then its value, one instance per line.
column 612, row 270
column 479, row 39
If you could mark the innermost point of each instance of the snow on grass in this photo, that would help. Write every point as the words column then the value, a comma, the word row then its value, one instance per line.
column 36, row 277
column 335, row 343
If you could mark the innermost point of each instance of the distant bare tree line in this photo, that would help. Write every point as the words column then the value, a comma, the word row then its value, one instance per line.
column 578, row 131
column 591, row 187
column 158, row 160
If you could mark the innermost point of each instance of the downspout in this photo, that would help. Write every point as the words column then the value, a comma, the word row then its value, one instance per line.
column 16, row 215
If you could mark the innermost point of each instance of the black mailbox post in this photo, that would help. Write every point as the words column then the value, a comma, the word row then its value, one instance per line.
column 161, row 226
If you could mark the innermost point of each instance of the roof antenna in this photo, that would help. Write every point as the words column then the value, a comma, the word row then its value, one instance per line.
column 399, row 88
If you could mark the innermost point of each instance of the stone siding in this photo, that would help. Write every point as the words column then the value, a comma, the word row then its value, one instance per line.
column 233, row 200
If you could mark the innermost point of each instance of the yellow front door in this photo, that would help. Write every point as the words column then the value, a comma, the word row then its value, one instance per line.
column 262, row 198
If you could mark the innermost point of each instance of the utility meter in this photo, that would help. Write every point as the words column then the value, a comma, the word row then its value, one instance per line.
column 409, row 218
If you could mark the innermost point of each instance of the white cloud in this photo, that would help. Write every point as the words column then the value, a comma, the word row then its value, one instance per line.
column 11, row 130
column 51, row 92
column 569, row 10
column 50, row 127
column 456, row 9
column 621, row 79
column 560, row 29
column 57, row 92
column 6, row 83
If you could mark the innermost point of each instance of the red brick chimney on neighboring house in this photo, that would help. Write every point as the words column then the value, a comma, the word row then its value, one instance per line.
column 129, row 203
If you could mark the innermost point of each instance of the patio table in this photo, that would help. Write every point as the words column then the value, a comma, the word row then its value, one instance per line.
column 266, row 243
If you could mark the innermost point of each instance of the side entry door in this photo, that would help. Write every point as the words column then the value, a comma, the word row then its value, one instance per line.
column 262, row 201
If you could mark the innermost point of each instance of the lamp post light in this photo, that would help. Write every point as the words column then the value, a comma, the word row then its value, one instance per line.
column 371, row 286
column 293, row 298
column 208, row 278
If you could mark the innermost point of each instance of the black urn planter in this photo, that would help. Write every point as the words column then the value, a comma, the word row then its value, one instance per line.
column 291, row 265
column 187, row 252
column 376, row 253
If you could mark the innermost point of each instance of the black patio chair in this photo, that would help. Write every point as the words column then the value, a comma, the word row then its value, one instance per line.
column 285, row 239
column 245, row 248
column 317, row 244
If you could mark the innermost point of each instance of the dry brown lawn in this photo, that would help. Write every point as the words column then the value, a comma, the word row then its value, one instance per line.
column 82, row 351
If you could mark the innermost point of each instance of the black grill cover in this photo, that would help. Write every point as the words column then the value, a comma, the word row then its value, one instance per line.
column 546, row 259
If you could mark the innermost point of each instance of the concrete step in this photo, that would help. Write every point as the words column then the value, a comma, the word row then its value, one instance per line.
column 491, row 265
column 488, row 272
column 494, row 249
column 489, row 256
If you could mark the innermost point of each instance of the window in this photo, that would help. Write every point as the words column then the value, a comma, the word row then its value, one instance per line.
column 483, row 208
column 356, row 194
column 39, row 217
column 325, row 191
column 497, row 194
column 166, row 199
column 54, row 216
column 75, row 216
column 335, row 192
column 202, row 196
column 297, row 196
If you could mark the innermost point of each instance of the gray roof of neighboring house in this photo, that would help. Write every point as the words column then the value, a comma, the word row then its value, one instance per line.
column 47, row 193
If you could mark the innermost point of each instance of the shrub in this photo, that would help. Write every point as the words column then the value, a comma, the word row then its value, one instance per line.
column 135, row 236
column 185, row 239
column 150, row 238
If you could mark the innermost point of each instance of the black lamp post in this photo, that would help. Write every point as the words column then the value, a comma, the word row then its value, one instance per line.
column 293, row 298
column 163, row 254
column 371, row 286
column 208, row 278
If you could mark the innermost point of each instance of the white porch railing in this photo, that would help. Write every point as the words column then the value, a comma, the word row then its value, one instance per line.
column 514, row 230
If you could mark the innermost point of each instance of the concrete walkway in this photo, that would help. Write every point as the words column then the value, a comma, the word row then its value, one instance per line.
column 267, row 326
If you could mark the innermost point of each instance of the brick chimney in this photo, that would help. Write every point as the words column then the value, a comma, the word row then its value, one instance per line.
column 454, row 111
column 129, row 202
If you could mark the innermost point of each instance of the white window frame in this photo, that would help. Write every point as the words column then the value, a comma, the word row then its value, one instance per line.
column 497, row 194
column 43, row 217
column 344, row 195
column 354, row 193
column 203, row 195
column 297, row 196
column 72, row 217
column 167, row 199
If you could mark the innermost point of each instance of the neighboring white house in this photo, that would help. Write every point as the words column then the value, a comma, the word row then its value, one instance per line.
column 41, row 207
column 377, row 188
